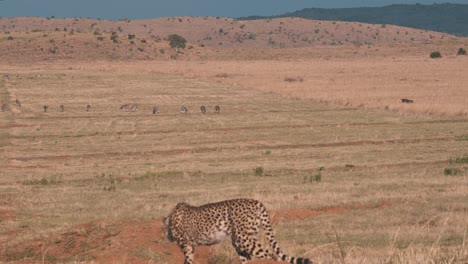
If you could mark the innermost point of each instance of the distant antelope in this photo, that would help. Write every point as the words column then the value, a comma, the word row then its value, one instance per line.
column 134, row 107
column 88, row 107
column 17, row 103
column 62, row 108
column 155, row 109
column 4, row 107
column 406, row 101
column 125, row 107
column 45, row 108
column 217, row 109
column 203, row 109
column 183, row 109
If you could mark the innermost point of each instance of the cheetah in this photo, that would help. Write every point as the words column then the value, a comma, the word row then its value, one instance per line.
column 211, row 223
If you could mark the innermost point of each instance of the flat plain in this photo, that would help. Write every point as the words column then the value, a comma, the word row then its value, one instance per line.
column 348, row 173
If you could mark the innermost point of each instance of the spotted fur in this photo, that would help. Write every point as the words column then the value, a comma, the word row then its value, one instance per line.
column 241, row 219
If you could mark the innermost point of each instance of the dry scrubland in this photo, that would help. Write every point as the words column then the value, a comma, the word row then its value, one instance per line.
column 307, row 131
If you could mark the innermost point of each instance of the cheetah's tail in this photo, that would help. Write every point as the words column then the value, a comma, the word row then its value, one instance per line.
column 266, row 223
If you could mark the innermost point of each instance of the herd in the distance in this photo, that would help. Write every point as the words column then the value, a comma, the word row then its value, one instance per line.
column 125, row 107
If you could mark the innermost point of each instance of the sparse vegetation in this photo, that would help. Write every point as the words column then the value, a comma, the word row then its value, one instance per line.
column 461, row 51
column 317, row 177
column 435, row 55
column 462, row 159
column 114, row 37
column 259, row 171
column 452, row 171
column 294, row 79
column 176, row 41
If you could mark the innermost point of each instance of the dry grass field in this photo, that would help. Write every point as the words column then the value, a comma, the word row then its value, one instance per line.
column 344, row 183
column 318, row 134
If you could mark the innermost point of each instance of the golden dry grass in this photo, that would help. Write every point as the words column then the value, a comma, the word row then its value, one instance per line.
column 384, row 169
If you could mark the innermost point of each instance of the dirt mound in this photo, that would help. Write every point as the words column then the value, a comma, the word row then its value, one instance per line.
column 134, row 241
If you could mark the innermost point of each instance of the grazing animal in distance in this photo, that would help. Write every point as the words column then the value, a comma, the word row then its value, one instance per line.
column 88, row 107
column 240, row 219
column 17, row 103
column 183, row 109
column 45, row 108
column 406, row 101
column 217, row 109
column 129, row 107
column 125, row 107
column 62, row 108
column 134, row 107
column 155, row 109
column 203, row 109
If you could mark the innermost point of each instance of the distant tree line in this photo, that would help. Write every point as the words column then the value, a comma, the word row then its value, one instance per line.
column 448, row 18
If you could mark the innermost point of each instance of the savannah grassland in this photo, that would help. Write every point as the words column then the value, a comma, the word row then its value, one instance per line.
column 349, row 174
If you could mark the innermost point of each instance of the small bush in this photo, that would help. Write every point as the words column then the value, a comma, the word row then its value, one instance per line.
column 461, row 51
column 463, row 159
column 293, row 79
column 114, row 37
column 463, row 137
column 452, row 171
column 435, row 55
column 259, row 171
column 100, row 38
column 176, row 41
column 161, row 51
column 131, row 36
column 313, row 178
column 10, row 38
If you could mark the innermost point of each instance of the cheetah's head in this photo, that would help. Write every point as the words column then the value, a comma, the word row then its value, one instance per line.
column 166, row 228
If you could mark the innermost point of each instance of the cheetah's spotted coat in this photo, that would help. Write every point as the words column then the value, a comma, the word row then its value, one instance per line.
column 209, row 224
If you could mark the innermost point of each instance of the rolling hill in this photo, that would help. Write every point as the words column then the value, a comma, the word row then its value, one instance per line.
column 79, row 38
column 449, row 18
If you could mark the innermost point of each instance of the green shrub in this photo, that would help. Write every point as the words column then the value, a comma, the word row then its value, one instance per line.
column 114, row 37
column 259, row 171
column 463, row 159
column 435, row 55
column 313, row 178
column 461, row 51
column 176, row 41
column 451, row 171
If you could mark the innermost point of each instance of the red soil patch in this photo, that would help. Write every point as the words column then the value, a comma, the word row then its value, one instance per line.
column 135, row 241
column 7, row 214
